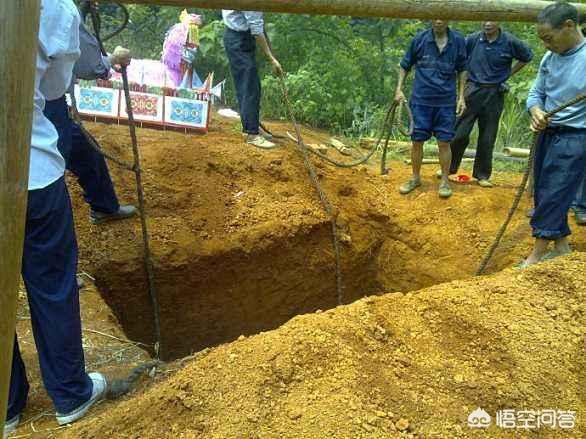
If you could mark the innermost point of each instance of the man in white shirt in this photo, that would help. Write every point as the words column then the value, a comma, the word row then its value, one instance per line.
column 49, row 261
column 244, row 30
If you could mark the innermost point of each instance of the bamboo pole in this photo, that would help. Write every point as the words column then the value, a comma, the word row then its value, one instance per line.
column 470, row 10
column 19, row 22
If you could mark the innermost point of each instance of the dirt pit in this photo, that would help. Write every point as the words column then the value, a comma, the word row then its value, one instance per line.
column 396, row 366
column 241, row 244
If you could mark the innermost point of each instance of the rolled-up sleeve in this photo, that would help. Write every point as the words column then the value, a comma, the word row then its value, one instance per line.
column 521, row 51
column 461, row 56
column 536, row 95
column 409, row 58
column 255, row 22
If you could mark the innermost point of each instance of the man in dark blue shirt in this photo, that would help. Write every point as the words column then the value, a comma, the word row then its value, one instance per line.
column 491, row 53
column 439, row 57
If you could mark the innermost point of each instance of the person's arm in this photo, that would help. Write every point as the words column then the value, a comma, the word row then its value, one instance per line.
column 517, row 67
column 522, row 53
column 399, row 95
column 405, row 66
column 461, row 68
column 256, row 23
column 261, row 40
column 536, row 101
column 461, row 106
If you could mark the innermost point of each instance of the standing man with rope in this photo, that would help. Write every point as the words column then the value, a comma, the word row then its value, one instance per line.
column 491, row 53
column 560, row 159
column 88, row 165
column 244, row 30
column 49, row 260
column 439, row 57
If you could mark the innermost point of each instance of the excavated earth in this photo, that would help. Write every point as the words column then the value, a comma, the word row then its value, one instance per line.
column 244, row 271
column 241, row 244
column 400, row 365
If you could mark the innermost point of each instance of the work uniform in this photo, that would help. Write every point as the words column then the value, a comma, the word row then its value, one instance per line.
column 239, row 40
column 434, row 94
column 560, row 159
column 489, row 67
column 88, row 165
column 49, row 261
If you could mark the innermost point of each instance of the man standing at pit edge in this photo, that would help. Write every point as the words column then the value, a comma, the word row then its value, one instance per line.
column 560, row 158
column 439, row 57
column 244, row 30
column 491, row 53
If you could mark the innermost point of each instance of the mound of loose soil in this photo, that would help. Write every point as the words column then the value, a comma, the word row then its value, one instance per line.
column 417, row 363
column 241, row 243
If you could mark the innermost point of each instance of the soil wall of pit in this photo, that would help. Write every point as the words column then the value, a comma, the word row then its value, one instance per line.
column 241, row 244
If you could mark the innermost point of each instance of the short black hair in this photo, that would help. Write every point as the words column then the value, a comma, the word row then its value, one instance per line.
column 557, row 14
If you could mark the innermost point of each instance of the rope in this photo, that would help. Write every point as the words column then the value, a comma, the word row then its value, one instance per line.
column 329, row 209
column 148, row 262
column 388, row 124
column 521, row 188
column 119, row 388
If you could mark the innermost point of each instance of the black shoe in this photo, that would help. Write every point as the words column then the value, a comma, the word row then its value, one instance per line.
column 126, row 211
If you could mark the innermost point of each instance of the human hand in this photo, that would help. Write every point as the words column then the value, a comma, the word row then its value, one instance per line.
column 400, row 96
column 539, row 120
column 120, row 58
column 461, row 107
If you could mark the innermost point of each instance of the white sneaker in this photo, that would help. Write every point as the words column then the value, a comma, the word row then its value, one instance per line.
column 98, row 392
column 10, row 426
column 259, row 141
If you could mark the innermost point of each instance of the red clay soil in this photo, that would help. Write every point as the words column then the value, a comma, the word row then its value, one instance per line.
column 396, row 366
column 241, row 243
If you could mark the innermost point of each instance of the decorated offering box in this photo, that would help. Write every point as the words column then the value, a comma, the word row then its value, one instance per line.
column 153, row 102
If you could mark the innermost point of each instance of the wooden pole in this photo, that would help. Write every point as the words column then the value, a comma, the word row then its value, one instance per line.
column 470, row 10
column 19, row 22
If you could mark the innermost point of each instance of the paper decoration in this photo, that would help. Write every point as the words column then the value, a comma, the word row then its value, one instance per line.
column 146, row 107
column 97, row 101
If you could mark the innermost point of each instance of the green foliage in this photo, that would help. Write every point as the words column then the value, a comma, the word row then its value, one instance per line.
column 342, row 70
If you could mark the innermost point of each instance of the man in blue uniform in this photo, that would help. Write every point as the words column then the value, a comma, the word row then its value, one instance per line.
column 49, row 259
column 439, row 57
column 491, row 53
column 560, row 160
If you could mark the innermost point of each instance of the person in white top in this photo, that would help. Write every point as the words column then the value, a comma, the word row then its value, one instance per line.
column 49, row 261
column 244, row 31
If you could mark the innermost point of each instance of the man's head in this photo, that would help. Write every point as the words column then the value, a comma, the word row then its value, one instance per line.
column 557, row 26
column 490, row 28
column 439, row 27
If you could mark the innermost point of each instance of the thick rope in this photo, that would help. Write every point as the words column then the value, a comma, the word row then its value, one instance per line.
column 329, row 209
column 521, row 188
column 386, row 132
column 148, row 262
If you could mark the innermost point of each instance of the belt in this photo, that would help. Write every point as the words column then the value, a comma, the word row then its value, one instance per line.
column 560, row 129
column 488, row 85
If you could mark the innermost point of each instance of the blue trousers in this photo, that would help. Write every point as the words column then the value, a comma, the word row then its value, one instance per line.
column 82, row 160
column 49, row 265
column 579, row 204
column 433, row 121
column 241, row 51
column 559, row 169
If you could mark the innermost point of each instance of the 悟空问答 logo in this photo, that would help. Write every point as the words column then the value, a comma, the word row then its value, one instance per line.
column 479, row 418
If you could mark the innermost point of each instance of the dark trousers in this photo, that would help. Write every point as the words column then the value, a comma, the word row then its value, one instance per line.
column 88, row 165
column 49, row 265
column 241, row 51
column 559, row 169
column 484, row 105
column 579, row 204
